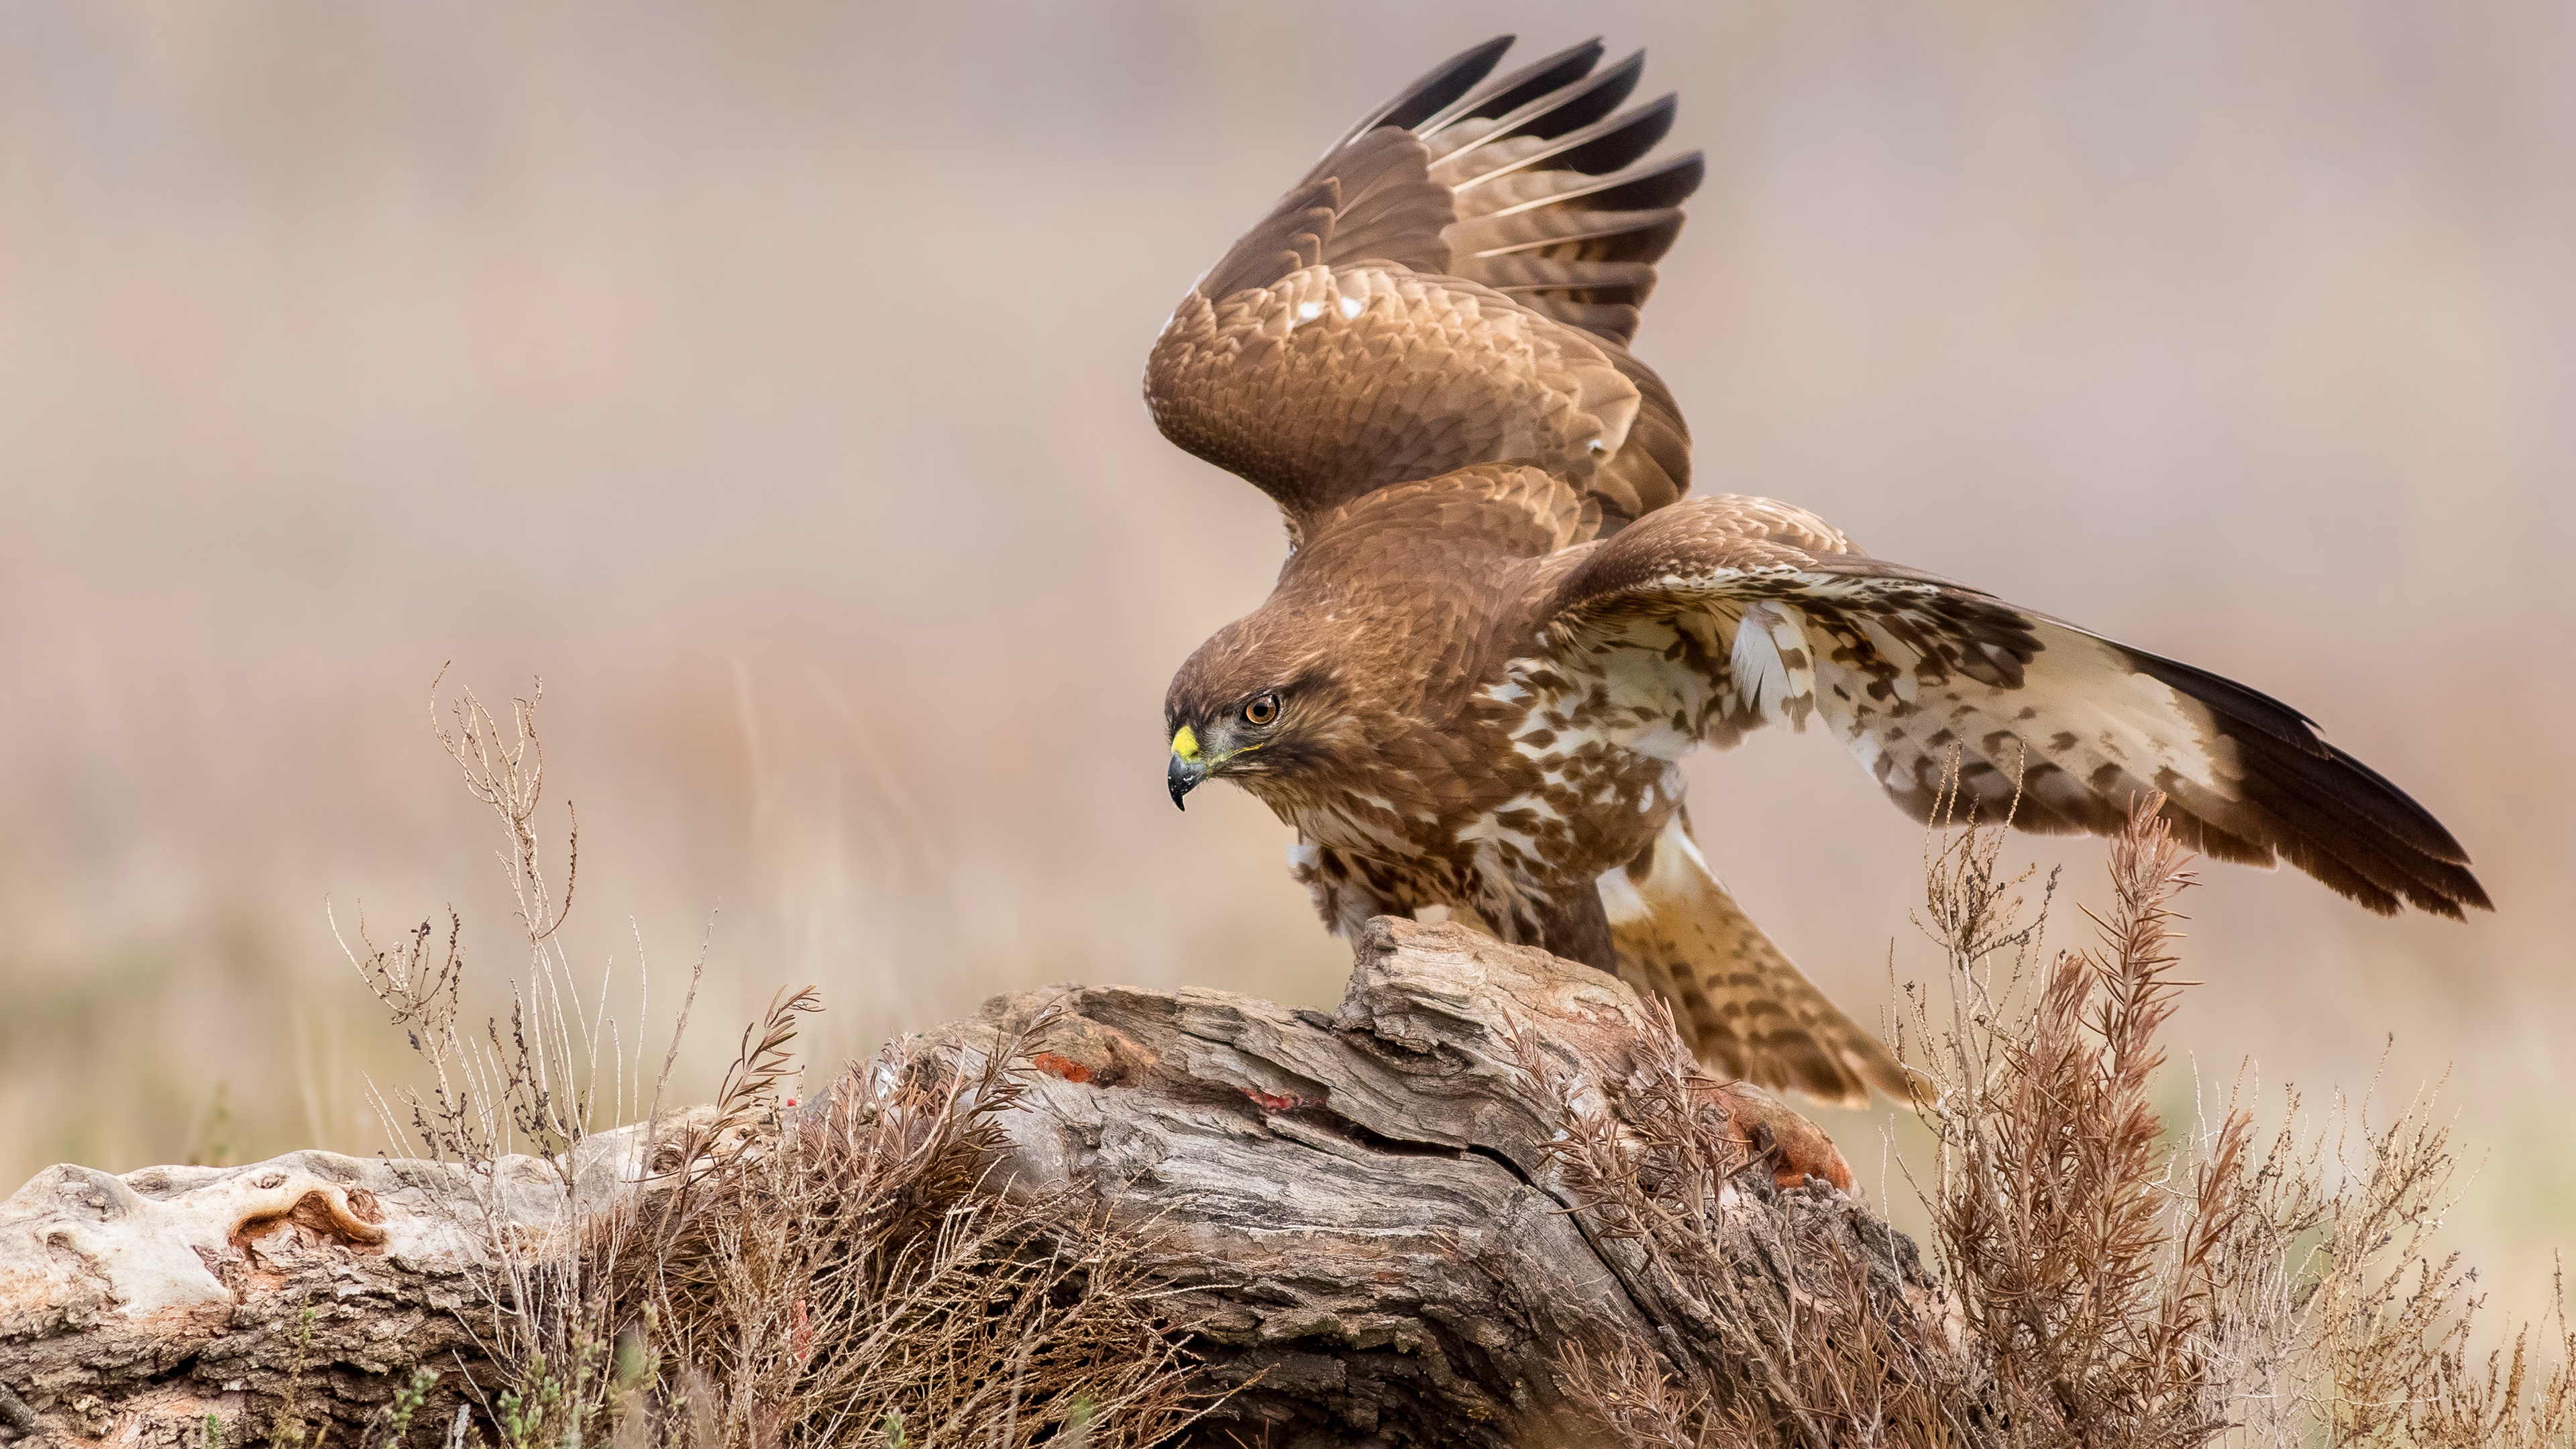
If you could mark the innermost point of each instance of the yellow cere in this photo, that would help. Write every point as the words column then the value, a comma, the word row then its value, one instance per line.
column 1186, row 744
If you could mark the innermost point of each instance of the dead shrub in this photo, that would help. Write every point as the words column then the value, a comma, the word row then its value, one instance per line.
column 1783, row 1334
column 2103, row 1282
column 854, row 1275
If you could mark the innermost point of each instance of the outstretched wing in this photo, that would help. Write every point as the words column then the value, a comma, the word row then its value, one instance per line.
column 1723, row 613
column 1454, row 283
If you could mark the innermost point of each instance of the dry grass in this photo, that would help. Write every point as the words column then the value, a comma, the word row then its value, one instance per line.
column 856, row 1278
column 845, row 1272
column 1784, row 1336
column 540, row 1085
column 2105, row 1280
column 2083, row 1255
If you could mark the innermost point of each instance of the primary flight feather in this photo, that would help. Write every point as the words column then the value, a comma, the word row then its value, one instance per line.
column 1502, row 623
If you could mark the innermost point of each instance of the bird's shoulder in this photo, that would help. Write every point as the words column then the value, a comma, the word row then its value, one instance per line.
column 1478, row 518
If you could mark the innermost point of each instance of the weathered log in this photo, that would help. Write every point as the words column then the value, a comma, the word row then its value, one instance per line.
column 133, row 1308
column 1369, row 1234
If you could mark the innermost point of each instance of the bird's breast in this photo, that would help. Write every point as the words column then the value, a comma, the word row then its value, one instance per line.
column 1587, row 778
column 1364, row 822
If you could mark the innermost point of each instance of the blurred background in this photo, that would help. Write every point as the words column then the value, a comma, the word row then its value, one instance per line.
column 765, row 378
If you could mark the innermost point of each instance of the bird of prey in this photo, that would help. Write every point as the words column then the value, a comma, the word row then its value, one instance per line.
column 1503, row 622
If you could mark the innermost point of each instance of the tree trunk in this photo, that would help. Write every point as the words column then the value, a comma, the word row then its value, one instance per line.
column 1368, row 1235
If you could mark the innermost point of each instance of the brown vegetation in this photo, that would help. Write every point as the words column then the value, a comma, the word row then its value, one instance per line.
column 857, row 1279
column 2107, row 1282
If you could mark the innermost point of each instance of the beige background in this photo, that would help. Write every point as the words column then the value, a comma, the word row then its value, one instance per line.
column 765, row 377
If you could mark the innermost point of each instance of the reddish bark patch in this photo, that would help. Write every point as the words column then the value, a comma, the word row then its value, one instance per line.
column 1060, row 1066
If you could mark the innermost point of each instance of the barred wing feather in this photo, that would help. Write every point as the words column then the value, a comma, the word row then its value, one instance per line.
column 1726, row 613
column 1454, row 283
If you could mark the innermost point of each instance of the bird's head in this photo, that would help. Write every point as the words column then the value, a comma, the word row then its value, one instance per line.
column 1257, row 705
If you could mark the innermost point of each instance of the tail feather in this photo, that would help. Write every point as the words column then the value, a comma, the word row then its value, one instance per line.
column 1736, row 998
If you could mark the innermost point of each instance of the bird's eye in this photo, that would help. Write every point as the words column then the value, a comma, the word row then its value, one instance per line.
column 1262, row 710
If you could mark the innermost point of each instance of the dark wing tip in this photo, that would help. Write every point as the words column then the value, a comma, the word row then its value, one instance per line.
column 2251, row 706
column 2244, row 713
column 1624, row 139
column 2325, row 811
column 1581, row 102
column 1668, row 183
column 1435, row 91
column 1520, row 87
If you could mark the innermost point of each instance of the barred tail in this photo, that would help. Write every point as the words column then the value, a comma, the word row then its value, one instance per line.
column 1736, row 998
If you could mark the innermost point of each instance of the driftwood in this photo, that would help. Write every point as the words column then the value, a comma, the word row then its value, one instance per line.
column 1368, row 1235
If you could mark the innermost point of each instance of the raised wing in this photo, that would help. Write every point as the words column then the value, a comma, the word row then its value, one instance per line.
column 1454, row 283
column 1724, row 613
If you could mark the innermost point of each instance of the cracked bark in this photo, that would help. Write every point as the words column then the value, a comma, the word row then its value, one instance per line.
column 1357, row 1211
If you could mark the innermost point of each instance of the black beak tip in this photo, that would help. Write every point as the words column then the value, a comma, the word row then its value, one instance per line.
column 1183, row 776
column 1179, row 790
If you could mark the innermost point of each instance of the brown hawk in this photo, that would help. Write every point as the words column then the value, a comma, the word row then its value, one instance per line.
column 1502, row 624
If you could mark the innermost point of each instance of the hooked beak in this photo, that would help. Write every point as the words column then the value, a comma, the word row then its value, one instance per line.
column 1188, row 766
column 1183, row 775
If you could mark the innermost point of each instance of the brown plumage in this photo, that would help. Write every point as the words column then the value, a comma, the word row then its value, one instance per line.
column 1502, row 624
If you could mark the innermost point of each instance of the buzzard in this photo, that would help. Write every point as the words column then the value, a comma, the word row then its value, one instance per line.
column 1502, row 622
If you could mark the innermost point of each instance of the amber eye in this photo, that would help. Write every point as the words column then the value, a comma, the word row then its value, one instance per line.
column 1262, row 710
